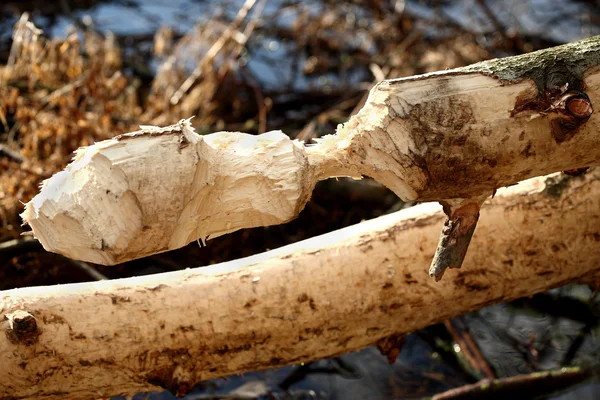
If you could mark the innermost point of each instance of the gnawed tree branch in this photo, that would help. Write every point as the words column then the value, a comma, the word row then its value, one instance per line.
column 453, row 136
column 317, row 298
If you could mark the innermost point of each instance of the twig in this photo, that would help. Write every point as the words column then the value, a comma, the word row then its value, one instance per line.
column 469, row 348
column 576, row 343
column 13, row 155
column 521, row 386
column 498, row 26
column 212, row 52
column 50, row 97
column 250, row 26
column 88, row 269
column 25, row 33
column 439, row 340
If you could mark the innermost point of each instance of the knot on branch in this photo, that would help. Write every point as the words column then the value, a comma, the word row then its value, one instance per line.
column 22, row 328
column 573, row 109
column 567, row 106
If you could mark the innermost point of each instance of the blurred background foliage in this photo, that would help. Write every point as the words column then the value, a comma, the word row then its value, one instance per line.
column 73, row 72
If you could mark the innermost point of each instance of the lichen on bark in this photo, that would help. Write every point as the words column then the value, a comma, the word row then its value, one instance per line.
column 547, row 68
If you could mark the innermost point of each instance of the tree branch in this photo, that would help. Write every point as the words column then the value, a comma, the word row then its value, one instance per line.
column 318, row 298
column 453, row 136
column 531, row 386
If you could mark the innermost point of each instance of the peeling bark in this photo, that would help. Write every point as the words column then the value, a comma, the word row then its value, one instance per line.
column 451, row 136
column 456, row 236
column 318, row 298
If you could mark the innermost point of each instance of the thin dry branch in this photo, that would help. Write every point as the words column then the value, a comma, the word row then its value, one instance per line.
column 529, row 386
column 212, row 52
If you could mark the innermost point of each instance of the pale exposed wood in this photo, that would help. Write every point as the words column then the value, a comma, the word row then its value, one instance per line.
column 452, row 136
column 161, row 189
column 328, row 295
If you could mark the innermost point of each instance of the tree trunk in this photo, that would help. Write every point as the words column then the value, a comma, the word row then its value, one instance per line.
column 318, row 298
column 453, row 136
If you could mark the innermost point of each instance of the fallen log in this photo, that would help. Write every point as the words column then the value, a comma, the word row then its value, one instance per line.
column 321, row 297
column 452, row 136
